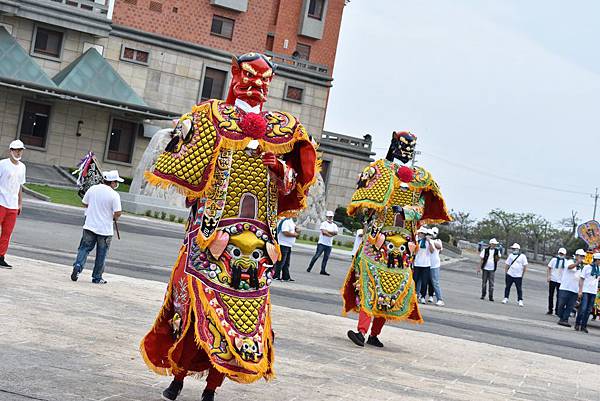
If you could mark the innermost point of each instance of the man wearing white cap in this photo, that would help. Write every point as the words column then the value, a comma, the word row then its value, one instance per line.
column 556, row 267
column 569, row 288
column 588, row 288
column 12, row 178
column 516, row 266
column 328, row 230
column 422, row 262
column 103, row 205
column 490, row 257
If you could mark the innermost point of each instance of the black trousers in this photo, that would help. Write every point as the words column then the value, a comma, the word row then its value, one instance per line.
column 518, row 281
column 282, row 268
column 553, row 287
column 421, row 278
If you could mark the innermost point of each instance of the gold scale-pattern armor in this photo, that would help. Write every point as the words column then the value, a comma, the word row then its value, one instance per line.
column 250, row 176
column 243, row 312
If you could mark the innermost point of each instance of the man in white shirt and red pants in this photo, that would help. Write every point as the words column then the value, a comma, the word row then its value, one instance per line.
column 12, row 178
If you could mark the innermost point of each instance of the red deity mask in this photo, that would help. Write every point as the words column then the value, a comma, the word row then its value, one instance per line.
column 251, row 76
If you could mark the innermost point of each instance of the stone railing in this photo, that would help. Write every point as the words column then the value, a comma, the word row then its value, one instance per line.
column 363, row 143
column 300, row 64
column 101, row 7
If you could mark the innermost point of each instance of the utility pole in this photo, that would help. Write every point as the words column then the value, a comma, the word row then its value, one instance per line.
column 595, row 196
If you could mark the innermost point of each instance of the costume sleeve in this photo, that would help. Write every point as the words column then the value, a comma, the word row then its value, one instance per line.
column 414, row 212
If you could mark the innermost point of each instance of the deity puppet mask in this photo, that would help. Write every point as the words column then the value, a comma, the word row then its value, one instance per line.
column 251, row 75
column 402, row 146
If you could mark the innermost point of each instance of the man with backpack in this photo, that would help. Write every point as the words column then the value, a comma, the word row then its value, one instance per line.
column 516, row 266
column 490, row 257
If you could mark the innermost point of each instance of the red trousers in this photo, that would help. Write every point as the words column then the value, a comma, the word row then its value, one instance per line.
column 8, row 218
column 213, row 380
column 364, row 321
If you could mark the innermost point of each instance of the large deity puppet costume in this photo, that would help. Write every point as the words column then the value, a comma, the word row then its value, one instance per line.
column 393, row 200
column 241, row 168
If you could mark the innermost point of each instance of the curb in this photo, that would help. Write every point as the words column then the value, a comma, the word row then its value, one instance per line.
column 35, row 194
column 65, row 174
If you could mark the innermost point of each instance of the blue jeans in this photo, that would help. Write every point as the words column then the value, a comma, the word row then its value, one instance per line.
column 90, row 239
column 282, row 268
column 566, row 303
column 518, row 282
column 321, row 249
column 585, row 308
column 434, row 275
column 421, row 278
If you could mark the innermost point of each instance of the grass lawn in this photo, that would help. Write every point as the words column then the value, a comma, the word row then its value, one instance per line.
column 63, row 196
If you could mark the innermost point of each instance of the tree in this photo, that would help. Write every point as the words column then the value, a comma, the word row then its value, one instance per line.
column 508, row 222
column 535, row 228
column 461, row 226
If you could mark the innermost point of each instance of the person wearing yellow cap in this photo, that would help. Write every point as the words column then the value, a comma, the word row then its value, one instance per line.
column 12, row 178
column 588, row 288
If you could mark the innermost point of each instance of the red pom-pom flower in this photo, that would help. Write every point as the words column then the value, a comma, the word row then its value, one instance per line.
column 405, row 174
column 253, row 125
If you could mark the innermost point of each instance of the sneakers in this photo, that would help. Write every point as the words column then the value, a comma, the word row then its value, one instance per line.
column 422, row 300
column 440, row 303
column 521, row 304
column 75, row 274
column 99, row 281
column 3, row 264
column 430, row 300
column 309, row 269
column 563, row 323
column 208, row 395
column 171, row 392
column 325, row 274
column 505, row 301
column 482, row 297
column 491, row 299
column 357, row 338
column 549, row 312
column 288, row 280
column 374, row 341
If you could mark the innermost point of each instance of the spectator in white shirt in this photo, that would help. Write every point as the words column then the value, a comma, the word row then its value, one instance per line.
column 328, row 230
column 588, row 288
column 12, row 178
column 490, row 257
column 286, row 237
column 556, row 267
column 516, row 266
column 358, row 239
column 569, row 288
column 103, row 205
column 433, row 286
column 422, row 262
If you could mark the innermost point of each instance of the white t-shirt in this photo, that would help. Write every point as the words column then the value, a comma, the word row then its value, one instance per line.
column 435, row 255
column 590, row 283
column 423, row 256
column 288, row 225
column 12, row 176
column 517, row 268
column 357, row 241
column 570, row 278
column 489, row 265
column 103, row 202
column 557, row 272
column 329, row 227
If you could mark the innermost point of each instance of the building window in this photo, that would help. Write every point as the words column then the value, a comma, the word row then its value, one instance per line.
column 213, row 86
column 316, row 8
column 294, row 93
column 47, row 42
column 222, row 26
column 302, row 52
column 155, row 6
column 34, row 124
column 269, row 44
column 134, row 55
column 121, row 141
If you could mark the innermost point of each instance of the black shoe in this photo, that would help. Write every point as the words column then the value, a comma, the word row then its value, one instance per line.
column 564, row 323
column 374, row 341
column 549, row 312
column 325, row 274
column 3, row 263
column 491, row 299
column 75, row 274
column 171, row 392
column 584, row 329
column 357, row 338
column 309, row 269
column 277, row 278
column 482, row 297
column 99, row 281
column 289, row 279
column 208, row 395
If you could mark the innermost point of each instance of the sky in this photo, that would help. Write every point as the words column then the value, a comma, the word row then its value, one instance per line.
column 503, row 96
